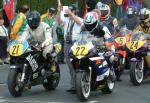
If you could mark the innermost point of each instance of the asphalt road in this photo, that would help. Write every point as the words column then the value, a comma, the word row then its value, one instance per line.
column 124, row 92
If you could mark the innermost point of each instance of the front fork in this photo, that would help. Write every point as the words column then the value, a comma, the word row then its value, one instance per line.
column 90, row 68
column 124, row 54
column 23, row 73
column 136, row 60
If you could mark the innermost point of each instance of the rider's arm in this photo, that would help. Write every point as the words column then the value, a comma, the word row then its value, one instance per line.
column 48, row 36
column 108, row 40
column 115, row 23
column 107, row 34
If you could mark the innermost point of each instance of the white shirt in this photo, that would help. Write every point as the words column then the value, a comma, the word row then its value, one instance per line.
column 3, row 31
column 67, row 23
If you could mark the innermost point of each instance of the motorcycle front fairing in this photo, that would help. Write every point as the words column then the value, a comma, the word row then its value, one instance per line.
column 17, row 50
column 100, row 66
column 90, row 57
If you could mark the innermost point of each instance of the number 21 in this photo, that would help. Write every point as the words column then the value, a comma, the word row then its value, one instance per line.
column 15, row 50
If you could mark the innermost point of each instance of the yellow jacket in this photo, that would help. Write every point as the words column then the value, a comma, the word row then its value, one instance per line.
column 144, row 27
column 19, row 25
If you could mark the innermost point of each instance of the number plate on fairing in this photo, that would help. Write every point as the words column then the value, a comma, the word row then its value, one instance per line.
column 121, row 41
column 80, row 50
column 135, row 45
column 16, row 50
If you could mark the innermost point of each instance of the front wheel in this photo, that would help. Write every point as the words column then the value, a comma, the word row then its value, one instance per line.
column 109, row 84
column 53, row 81
column 83, row 85
column 137, row 72
column 14, row 86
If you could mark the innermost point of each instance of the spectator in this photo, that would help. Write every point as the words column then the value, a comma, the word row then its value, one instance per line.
column 72, row 25
column 60, row 35
column 3, row 42
column 49, row 17
column 19, row 23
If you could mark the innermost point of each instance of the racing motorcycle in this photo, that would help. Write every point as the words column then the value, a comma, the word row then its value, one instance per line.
column 93, row 71
column 120, row 41
column 29, row 68
column 139, row 58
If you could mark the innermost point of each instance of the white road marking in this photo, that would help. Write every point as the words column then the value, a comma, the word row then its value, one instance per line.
column 3, row 84
column 2, row 100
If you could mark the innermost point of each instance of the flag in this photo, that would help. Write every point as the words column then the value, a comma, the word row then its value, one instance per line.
column 125, row 5
column 9, row 6
column 85, row 11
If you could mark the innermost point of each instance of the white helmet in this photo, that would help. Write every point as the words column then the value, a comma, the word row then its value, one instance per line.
column 105, row 11
column 91, row 21
column 144, row 14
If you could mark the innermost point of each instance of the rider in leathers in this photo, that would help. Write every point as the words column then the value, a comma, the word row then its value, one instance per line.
column 100, row 32
column 39, row 32
column 144, row 26
column 110, row 22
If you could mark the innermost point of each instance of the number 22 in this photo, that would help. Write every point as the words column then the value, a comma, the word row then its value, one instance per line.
column 81, row 50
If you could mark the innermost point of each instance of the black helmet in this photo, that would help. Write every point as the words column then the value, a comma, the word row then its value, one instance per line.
column 33, row 19
column 131, row 11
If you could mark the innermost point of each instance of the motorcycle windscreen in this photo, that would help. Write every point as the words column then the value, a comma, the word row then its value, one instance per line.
column 16, row 48
column 137, row 41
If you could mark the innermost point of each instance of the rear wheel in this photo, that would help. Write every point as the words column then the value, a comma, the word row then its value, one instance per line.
column 53, row 81
column 137, row 72
column 83, row 85
column 14, row 86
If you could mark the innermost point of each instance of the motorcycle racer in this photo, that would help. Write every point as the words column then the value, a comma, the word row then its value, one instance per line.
column 144, row 25
column 110, row 22
column 131, row 20
column 101, row 33
column 39, row 32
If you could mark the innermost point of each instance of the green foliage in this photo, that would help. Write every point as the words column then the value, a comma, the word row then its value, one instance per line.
column 42, row 5
column 1, row 2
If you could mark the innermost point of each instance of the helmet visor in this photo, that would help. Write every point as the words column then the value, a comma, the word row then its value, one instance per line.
column 91, row 27
column 33, row 22
column 104, row 12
